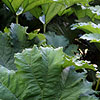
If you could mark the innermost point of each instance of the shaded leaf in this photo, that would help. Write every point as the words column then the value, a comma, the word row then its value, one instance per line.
column 71, row 50
column 12, row 41
column 56, row 40
column 6, row 52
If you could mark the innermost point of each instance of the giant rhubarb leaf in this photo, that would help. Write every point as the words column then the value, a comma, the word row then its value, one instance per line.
column 40, row 75
column 5, row 94
column 20, row 6
column 12, row 41
column 89, row 28
column 91, row 37
column 6, row 52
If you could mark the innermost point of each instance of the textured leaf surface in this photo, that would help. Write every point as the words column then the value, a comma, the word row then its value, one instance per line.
column 20, row 6
column 12, row 41
column 71, row 50
column 91, row 37
column 5, row 94
column 6, row 52
column 56, row 40
column 79, row 64
column 91, row 11
column 87, row 27
column 51, row 9
column 86, row 97
column 40, row 75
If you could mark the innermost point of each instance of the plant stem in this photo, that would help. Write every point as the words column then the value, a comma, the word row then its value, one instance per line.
column 97, row 86
column 44, row 27
column 16, row 19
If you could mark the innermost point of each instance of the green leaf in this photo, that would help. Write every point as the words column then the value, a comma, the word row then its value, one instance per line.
column 36, row 12
column 86, row 97
column 72, row 2
column 6, row 52
column 91, row 11
column 40, row 75
column 5, row 94
column 14, row 40
column 79, row 64
column 71, row 50
column 18, row 36
column 87, row 27
column 36, row 34
column 92, row 37
column 21, row 6
column 56, row 40
column 50, row 10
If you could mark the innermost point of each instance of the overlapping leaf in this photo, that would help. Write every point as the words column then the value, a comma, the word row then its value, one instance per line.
column 79, row 64
column 50, row 10
column 20, row 6
column 87, row 27
column 23, row 5
column 56, row 40
column 92, row 37
column 12, row 41
column 5, row 94
column 6, row 52
column 40, row 75
column 82, row 11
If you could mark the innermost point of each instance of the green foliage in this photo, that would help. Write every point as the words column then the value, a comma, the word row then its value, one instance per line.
column 14, row 40
column 71, row 50
column 6, row 52
column 87, row 27
column 20, row 6
column 56, row 40
column 79, row 64
column 60, row 41
column 50, row 10
column 91, row 11
column 40, row 75
column 6, row 94
column 92, row 37
column 37, row 66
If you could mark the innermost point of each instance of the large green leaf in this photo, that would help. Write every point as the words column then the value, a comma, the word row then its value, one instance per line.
column 12, row 41
column 71, row 2
column 40, row 75
column 79, row 64
column 50, row 10
column 60, row 41
column 56, row 40
column 5, row 94
column 92, row 12
column 91, row 37
column 6, row 52
column 87, row 27
column 71, row 50
column 20, row 6
column 86, row 97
